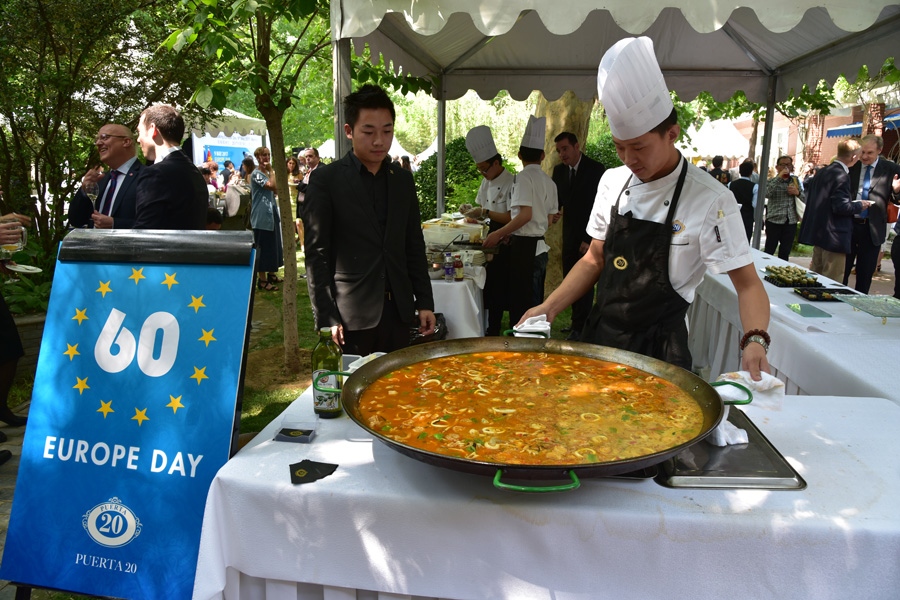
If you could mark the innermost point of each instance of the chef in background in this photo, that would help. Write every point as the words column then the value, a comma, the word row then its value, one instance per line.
column 493, row 204
column 658, row 225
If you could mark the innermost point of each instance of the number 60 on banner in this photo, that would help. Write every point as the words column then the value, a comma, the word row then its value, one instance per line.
column 114, row 334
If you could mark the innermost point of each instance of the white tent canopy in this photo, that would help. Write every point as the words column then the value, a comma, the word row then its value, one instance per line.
column 526, row 45
column 765, row 48
column 715, row 138
column 231, row 122
column 326, row 150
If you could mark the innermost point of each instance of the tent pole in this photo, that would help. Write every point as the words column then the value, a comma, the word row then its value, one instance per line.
column 340, row 54
column 764, row 160
column 441, row 145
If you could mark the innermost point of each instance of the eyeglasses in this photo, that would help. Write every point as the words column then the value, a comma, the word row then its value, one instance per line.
column 102, row 137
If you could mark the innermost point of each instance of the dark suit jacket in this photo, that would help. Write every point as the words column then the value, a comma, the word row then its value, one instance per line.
column 827, row 221
column 81, row 208
column 880, row 192
column 171, row 194
column 577, row 199
column 348, row 254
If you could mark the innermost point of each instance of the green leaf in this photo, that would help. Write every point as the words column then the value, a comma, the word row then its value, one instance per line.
column 203, row 96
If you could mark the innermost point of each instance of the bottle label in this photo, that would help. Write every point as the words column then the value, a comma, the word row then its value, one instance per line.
column 327, row 401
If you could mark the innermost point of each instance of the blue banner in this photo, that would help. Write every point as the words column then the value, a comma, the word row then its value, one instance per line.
column 220, row 154
column 131, row 418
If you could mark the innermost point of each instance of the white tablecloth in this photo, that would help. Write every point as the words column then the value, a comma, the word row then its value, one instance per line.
column 390, row 524
column 463, row 307
column 850, row 353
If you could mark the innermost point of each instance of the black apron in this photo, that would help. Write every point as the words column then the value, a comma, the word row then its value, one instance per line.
column 496, row 286
column 638, row 309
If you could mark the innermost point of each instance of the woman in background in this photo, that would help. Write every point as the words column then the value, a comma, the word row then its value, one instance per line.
column 295, row 176
column 264, row 220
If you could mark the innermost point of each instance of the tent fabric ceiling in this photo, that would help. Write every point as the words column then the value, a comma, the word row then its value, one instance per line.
column 231, row 122
column 525, row 45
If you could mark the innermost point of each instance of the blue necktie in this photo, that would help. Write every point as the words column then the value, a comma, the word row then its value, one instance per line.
column 110, row 192
column 867, row 183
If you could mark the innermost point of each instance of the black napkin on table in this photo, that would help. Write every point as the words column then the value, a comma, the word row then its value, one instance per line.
column 307, row 471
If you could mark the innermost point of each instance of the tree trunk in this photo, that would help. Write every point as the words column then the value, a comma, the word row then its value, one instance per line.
column 570, row 114
column 754, row 133
column 273, row 118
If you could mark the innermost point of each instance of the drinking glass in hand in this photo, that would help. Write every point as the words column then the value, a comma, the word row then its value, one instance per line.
column 91, row 190
column 12, row 238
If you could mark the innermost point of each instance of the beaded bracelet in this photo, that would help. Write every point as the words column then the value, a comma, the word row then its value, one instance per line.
column 755, row 333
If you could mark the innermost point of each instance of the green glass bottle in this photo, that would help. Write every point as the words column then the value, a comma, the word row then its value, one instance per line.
column 327, row 356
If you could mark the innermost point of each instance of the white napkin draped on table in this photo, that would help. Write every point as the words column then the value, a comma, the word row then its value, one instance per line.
column 768, row 393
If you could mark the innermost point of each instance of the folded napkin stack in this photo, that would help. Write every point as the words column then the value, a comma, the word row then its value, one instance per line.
column 537, row 326
column 767, row 393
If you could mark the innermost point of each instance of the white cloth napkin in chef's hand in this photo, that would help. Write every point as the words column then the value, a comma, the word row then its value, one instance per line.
column 533, row 327
column 767, row 393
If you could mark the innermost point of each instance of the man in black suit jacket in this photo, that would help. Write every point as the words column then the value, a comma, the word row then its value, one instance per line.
column 576, row 179
column 114, row 206
column 870, row 226
column 171, row 192
column 826, row 221
column 365, row 253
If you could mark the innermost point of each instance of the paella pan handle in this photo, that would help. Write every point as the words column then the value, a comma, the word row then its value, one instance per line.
column 737, row 385
column 320, row 376
column 512, row 333
column 527, row 488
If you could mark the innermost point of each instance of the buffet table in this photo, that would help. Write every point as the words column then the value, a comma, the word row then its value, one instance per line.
column 462, row 304
column 387, row 526
column 850, row 353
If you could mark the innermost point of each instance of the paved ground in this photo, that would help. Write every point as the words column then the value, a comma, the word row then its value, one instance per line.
column 882, row 284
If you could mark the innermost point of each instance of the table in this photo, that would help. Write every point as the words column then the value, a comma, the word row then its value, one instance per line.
column 462, row 304
column 395, row 527
column 848, row 354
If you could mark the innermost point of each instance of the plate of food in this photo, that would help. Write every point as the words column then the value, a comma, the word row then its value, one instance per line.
column 24, row 268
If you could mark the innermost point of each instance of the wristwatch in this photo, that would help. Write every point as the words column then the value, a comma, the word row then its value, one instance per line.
column 759, row 340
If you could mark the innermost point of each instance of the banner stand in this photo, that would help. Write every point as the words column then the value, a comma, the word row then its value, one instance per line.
column 136, row 406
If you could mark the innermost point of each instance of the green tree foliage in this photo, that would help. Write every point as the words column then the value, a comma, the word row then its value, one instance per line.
column 66, row 68
column 603, row 151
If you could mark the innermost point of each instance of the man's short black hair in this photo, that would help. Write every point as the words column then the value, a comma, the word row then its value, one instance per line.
column 494, row 158
column 746, row 168
column 228, row 164
column 530, row 155
column 566, row 135
column 205, row 171
column 168, row 121
column 213, row 216
column 669, row 121
column 368, row 96
column 717, row 161
column 783, row 157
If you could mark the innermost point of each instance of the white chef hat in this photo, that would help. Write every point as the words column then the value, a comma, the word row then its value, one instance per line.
column 480, row 143
column 534, row 133
column 631, row 87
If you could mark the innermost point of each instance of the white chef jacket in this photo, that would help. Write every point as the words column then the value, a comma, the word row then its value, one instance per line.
column 494, row 194
column 707, row 230
column 534, row 188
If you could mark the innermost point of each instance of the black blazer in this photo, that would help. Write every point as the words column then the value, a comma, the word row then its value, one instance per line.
column 348, row 254
column 577, row 198
column 827, row 221
column 171, row 194
column 81, row 208
column 880, row 192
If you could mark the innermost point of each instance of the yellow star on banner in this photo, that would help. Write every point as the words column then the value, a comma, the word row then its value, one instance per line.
column 104, row 288
column 81, row 385
column 175, row 404
column 170, row 280
column 196, row 303
column 105, row 408
column 199, row 375
column 72, row 352
column 207, row 336
column 80, row 316
column 137, row 274
column 140, row 416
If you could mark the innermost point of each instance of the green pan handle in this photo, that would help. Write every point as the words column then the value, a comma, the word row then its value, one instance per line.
column 328, row 374
column 524, row 488
column 512, row 332
column 737, row 385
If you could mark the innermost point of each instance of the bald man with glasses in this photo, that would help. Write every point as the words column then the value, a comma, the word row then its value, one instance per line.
column 114, row 206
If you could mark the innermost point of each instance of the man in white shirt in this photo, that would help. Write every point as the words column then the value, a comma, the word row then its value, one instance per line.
column 493, row 199
column 532, row 205
column 658, row 224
